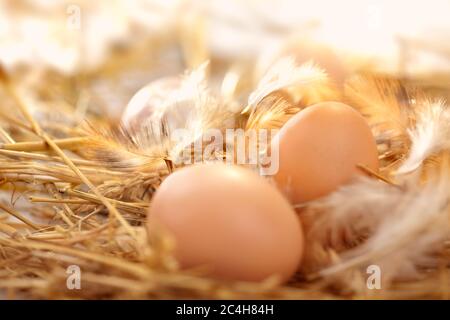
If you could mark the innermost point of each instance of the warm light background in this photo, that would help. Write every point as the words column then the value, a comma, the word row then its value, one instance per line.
column 35, row 31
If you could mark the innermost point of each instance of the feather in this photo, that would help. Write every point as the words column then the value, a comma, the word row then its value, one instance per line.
column 131, row 146
column 385, row 105
column 430, row 134
column 270, row 105
column 272, row 112
column 151, row 142
column 283, row 74
column 402, row 228
column 337, row 224
column 383, row 102
column 206, row 112
column 122, row 149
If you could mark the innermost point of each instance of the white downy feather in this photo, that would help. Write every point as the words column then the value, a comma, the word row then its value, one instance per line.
column 430, row 134
column 286, row 73
column 338, row 223
column 154, row 118
column 404, row 237
column 206, row 111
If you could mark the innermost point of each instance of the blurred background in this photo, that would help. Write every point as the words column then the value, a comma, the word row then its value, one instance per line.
column 97, row 54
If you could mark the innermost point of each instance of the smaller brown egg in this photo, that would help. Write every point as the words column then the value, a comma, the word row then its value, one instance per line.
column 320, row 149
column 229, row 220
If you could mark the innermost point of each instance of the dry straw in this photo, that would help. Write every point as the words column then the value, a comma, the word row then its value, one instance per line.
column 78, row 195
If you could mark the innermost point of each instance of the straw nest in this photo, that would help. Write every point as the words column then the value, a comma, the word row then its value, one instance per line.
column 76, row 189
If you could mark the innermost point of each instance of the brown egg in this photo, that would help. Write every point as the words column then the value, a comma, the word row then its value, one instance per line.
column 320, row 148
column 229, row 220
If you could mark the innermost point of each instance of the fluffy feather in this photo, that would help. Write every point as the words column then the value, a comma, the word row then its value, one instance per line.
column 206, row 111
column 283, row 74
column 152, row 140
column 385, row 104
column 398, row 229
column 272, row 112
column 337, row 224
column 122, row 149
column 430, row 134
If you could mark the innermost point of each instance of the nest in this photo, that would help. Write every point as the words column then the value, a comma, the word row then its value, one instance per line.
column 76, row 191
